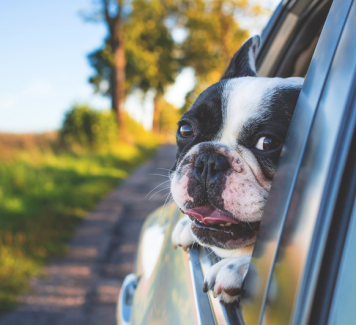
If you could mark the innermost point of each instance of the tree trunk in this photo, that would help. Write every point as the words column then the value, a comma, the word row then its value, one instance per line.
column 156, row 113
column 118, row 88
column 116, row 33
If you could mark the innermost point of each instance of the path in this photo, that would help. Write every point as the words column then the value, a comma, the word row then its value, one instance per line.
column 82, row 288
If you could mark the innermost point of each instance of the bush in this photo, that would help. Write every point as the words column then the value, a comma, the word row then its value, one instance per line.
column 88, row 128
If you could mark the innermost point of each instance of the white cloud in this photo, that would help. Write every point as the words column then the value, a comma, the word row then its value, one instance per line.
column 39, row 89
column 8, row 102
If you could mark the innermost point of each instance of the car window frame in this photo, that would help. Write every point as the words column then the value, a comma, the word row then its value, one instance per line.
column 276, row 22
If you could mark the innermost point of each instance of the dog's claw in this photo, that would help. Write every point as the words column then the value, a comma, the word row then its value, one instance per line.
column 233, row 291
column 205, row 287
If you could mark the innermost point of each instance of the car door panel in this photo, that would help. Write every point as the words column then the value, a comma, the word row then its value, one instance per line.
column 260, row 282
column 164, row 292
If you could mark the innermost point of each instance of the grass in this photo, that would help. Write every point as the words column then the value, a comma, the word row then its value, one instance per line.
column 43, row 197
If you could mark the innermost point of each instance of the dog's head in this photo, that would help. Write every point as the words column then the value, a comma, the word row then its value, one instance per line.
column 229, row 143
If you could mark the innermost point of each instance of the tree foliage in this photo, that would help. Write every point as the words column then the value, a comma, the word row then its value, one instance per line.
column 213, row 36
column 153, row 58
column 169, row 116
column 109, row 61
column 150, row 61
column 150, row 49
column 102, row 60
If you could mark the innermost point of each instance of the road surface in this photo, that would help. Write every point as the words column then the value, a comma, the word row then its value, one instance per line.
column 82, row 287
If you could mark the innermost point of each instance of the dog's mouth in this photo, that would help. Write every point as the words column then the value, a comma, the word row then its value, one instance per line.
column 214, row 227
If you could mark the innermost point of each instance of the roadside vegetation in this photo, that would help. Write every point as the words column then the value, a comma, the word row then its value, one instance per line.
column 49, row 182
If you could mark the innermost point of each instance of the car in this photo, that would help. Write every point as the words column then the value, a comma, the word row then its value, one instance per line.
column 303, row 264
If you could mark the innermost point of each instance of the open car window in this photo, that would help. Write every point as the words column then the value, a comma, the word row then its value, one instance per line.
column 303, row 37
column 290, row 39
column 300, row 32
column 286, row 261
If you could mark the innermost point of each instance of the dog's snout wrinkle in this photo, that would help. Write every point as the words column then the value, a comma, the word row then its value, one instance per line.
column 208, row 167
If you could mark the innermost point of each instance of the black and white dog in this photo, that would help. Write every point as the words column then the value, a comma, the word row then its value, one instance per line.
column 229, row 143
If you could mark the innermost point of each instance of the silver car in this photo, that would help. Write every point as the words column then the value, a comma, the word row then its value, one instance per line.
column 304, row 263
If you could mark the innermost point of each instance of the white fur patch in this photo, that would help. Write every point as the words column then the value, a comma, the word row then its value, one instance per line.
column 225, row 253
column 227, row 274
column 182, row 234
column 246, row 188
column 243, row 98
column 252, row 52
column 179, row 190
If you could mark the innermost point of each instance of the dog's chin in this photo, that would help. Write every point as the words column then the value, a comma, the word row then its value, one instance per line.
column 216, row 228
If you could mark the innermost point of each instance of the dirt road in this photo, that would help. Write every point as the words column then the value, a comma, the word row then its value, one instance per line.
column 82, row 287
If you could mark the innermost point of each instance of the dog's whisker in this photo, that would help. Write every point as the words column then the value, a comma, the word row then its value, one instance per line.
column 165, row 169
column 169, row 198
column 156, row 187
column 249, row 225
column 158, row 175
column 164, row 205
column 162, row 189
column 214, row 258
column 204, row 256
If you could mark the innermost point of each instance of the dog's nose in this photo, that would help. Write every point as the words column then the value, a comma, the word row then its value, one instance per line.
column 208, row 167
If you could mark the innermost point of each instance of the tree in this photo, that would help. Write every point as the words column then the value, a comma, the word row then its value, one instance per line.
column 110, row 60
column 213, row 36
column 151, row 59
column 149, row 54
column 102, row 60
column 169, row 117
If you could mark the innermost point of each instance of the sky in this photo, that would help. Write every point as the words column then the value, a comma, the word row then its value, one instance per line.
column 44, row 70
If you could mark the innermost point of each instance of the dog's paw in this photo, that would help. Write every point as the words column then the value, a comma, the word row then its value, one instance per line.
column 182, row 234
column 225, row 278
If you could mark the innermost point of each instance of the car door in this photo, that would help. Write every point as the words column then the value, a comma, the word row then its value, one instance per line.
column 169, row 283
column 285, row 285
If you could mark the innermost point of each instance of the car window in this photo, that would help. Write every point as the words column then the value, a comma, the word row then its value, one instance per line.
column 280, row 51
column 288, row 47
column 284, row 274
column 298, row 15
column 275, row 47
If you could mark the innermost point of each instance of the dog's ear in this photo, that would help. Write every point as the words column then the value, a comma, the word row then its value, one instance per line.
column 243, row 62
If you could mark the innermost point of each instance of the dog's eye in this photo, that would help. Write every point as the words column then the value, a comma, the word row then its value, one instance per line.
column 267, row 143
column 186, row 130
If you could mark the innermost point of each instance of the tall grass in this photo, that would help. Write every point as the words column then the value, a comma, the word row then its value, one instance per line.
column 44, row 194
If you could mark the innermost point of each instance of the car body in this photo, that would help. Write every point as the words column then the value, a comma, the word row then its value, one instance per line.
column 303, row 264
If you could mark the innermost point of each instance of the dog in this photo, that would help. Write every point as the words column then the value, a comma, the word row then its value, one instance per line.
column 229, row 143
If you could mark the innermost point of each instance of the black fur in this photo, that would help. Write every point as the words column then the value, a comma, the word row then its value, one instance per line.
column 240, row 63
column 274, row 123
column 205, row 116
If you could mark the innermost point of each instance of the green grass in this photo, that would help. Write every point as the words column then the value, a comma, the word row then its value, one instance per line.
column 43, row 197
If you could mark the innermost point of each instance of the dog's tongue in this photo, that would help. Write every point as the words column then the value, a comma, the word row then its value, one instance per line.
column 209, row 215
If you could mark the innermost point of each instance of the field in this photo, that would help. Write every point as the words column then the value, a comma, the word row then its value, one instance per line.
column 44, row 193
